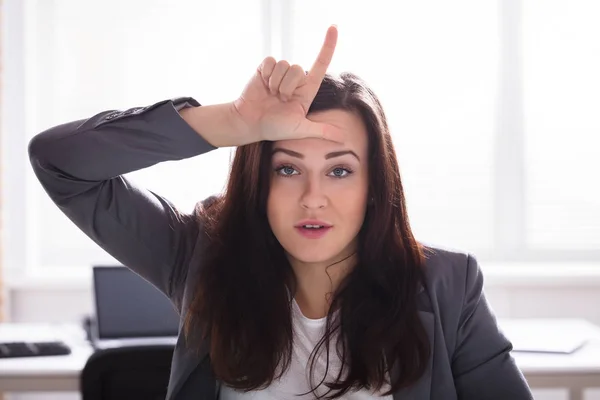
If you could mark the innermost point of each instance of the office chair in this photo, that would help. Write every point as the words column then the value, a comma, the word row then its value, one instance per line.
column 127, row 373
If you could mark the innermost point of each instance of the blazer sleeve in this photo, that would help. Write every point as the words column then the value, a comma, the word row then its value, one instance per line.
column 80, row 166
column 482, row 365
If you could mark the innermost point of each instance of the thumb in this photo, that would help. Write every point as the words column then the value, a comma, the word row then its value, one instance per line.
column 310, row 129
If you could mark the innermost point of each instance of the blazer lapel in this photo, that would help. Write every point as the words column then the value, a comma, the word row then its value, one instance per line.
column 185, row 361
column 422, row 388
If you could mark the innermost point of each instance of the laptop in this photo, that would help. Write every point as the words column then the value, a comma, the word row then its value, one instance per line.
column 129, row 311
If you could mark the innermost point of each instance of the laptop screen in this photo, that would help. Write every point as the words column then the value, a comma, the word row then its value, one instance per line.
column 127, row 306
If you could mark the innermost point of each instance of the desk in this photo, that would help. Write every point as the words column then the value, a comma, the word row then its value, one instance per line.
column 44, row 374
column 575, row 371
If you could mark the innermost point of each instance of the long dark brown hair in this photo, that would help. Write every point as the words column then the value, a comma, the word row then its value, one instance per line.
column 242, row 305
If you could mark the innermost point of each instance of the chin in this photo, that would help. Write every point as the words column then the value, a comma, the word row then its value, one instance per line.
column 312, row 258
column 313, row 254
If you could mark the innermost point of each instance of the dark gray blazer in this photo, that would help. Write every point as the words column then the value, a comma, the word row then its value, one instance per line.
column 80, row 165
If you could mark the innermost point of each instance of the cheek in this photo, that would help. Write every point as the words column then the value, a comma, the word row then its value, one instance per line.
column 351, row 204
column 278, row 204
column 351, row 197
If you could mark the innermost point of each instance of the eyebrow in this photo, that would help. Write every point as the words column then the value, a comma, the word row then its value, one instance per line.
column 327, row 156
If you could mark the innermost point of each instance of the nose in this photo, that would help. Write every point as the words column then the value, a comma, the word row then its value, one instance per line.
column 313, row 196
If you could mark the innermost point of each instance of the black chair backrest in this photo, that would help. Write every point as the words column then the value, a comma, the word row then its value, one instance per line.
column 129, row 372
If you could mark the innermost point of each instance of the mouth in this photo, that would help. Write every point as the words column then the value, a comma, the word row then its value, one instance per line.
column 311, row 231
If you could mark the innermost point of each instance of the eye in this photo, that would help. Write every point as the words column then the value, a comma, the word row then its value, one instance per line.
column 286, row 170
column 340, row 172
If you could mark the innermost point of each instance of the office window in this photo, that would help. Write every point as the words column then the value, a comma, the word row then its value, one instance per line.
column 562, row 98
column 455, row 79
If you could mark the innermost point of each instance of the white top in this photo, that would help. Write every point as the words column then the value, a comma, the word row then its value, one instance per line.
column 307, row 333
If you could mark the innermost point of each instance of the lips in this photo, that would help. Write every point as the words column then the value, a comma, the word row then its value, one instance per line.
column 313, row 228
column 313, row 233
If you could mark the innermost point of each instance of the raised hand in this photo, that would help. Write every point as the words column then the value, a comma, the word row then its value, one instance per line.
column 275, row 102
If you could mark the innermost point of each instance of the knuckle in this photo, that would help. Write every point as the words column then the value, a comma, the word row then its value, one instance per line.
column 283, row 64
column 267, row 65
column 268, row 61
column 297, row 69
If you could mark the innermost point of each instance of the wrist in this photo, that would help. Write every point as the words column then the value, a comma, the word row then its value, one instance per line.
column 240, row 132
column 214, row 123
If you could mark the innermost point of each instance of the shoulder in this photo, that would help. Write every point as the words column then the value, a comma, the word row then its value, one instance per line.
column 207, row 210
column 207, row 203
column 205, row 218
column 448, row 267
column 452, row 278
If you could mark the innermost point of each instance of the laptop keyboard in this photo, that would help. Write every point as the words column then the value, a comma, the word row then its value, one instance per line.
column 33, row 349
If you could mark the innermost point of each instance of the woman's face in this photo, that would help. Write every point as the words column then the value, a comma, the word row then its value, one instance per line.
column 315, row 179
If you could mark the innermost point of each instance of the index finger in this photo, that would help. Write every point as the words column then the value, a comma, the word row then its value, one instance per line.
column 319, row 68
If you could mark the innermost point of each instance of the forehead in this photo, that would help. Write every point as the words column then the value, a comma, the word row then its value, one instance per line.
column 355, row 134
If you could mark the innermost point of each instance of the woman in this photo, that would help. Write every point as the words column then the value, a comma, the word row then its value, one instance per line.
column 303, row 280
